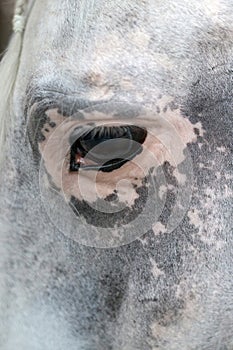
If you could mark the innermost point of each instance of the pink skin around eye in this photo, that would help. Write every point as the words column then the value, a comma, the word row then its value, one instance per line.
column 167, row 139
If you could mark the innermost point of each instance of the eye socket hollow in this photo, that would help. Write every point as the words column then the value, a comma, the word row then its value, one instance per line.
column 107, row 148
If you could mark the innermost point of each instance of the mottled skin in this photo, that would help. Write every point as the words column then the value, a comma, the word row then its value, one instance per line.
column 165, row 290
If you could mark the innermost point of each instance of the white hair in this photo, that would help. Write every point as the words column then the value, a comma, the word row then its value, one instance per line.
column 8, row 72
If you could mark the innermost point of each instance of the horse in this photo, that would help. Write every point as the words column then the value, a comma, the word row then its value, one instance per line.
column 116, row 176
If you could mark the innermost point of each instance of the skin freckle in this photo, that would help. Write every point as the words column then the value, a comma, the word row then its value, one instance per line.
column 221, row 149
column 155, row 270
column 159, row 228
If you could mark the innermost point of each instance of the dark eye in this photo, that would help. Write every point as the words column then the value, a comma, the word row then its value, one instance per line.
column 107, row 148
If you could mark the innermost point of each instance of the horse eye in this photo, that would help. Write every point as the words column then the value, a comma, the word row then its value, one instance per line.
column 106, row 148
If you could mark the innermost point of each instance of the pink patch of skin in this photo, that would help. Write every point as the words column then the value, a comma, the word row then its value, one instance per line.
column 168, row 135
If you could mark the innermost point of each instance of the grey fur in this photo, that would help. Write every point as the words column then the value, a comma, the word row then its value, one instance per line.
column 168, row 291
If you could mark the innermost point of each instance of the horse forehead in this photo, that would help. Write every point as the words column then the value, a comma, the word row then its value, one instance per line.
column 115, row 36
column 108, row 29
column 95, row 16
column 108, row 43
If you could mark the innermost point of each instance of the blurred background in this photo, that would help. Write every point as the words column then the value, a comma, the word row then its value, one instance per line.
column 6, row 12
